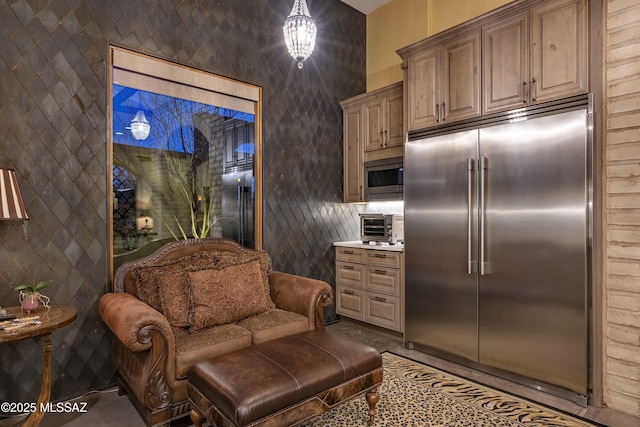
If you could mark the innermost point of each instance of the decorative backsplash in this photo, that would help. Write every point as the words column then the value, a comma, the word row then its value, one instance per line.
column 53, row 121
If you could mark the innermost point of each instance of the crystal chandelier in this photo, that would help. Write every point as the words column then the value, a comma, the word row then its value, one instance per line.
column 300, row 32
column 140, row 126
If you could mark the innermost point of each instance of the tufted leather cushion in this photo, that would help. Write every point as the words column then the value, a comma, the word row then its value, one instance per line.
column 283, row 372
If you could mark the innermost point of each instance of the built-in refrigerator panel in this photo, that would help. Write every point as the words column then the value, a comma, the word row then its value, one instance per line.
column 441, row 307
column 532, row 297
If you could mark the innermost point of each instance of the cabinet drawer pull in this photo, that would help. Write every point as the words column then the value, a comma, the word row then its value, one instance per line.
column 380, row 299
column 348, row 252
column 384, row 272
column 380, row 255
column 348, row 267
column 347, row 292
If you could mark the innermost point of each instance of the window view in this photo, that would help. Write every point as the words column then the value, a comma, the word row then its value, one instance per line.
column 181, row 168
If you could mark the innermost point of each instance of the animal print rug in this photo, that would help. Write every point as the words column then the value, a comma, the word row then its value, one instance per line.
column 416, row 395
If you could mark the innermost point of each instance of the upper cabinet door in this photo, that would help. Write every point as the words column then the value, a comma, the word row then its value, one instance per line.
column 424, row 71
column 374, row 125
column 383, row 125
column 461, row 83
column 353, row 153
column 559, row 49
column 393, row 113
column 505, row 63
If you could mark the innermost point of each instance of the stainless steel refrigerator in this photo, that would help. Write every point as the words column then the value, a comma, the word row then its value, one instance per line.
column 497, row 249
column 238, row 206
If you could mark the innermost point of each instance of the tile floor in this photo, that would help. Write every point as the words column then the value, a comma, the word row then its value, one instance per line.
column 107, row 409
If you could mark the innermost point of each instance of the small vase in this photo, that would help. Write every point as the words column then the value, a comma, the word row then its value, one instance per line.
column 30, row 302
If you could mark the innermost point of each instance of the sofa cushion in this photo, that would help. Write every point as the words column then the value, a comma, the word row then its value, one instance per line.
column 147, row 287
column 274, row 324
column 163, row 286
column 226, row 295
column 193, row 347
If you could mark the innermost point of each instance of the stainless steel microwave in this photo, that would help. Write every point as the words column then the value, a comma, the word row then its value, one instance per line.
column 383, row 179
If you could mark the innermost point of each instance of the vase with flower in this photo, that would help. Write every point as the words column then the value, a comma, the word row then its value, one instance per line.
column 30, row 296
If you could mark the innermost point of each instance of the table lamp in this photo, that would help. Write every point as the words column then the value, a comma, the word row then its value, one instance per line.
column 11, row 203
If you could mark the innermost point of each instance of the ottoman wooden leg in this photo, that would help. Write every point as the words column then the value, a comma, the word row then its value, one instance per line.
column 372, row 399
column 196, row 417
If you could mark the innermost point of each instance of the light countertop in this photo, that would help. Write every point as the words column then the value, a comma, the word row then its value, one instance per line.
column 379, row 246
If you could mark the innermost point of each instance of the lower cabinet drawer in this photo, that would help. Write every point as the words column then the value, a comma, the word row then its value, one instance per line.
column 349, row 274
column 383, row 311
column 350, row 303
column 350, row 255
column 383, row 280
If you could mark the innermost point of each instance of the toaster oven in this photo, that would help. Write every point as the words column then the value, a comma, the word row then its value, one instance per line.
column 382, row 228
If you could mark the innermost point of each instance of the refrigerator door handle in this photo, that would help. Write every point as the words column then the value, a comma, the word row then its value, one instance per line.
column 483, row 168
column 471, row 167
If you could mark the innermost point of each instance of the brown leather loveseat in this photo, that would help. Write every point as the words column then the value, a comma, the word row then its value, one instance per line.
column 192, row 300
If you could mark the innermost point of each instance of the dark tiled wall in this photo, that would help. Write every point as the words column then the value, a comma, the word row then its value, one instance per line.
column 53, row 128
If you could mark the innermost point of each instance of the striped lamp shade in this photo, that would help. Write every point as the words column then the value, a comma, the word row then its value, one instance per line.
column 11, row 203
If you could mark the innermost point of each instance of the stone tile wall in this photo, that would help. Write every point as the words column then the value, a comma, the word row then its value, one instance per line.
column 622, row 220
column 53, row 131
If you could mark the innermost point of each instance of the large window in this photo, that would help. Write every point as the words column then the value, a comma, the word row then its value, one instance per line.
column 185, row 156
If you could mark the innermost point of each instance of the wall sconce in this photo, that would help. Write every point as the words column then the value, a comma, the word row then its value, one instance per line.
column 11, row 203
column 300, row 32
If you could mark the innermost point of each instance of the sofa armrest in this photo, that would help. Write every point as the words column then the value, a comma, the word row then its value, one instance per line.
column 131, row 320
column 146, row 333
column 301, row 295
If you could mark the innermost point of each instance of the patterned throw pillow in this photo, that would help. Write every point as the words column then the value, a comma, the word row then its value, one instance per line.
column 147, row 288
column 231, row 291
column 167, row 286
column 163, row 286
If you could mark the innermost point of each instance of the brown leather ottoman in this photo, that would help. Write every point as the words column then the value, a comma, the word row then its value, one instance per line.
column 283, row 382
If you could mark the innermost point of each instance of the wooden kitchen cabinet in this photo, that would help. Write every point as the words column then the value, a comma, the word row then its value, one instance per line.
column 526, row 52
column 559, row 49
column 423, row 74
column 383, row 119
column 370, row 286
column 536, row 56
column 443, row 80
column 238, row 136
column 353, row 168
column 373, row 129
column 505, row 63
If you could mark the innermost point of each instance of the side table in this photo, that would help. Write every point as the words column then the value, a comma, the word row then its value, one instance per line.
column 54, row 318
